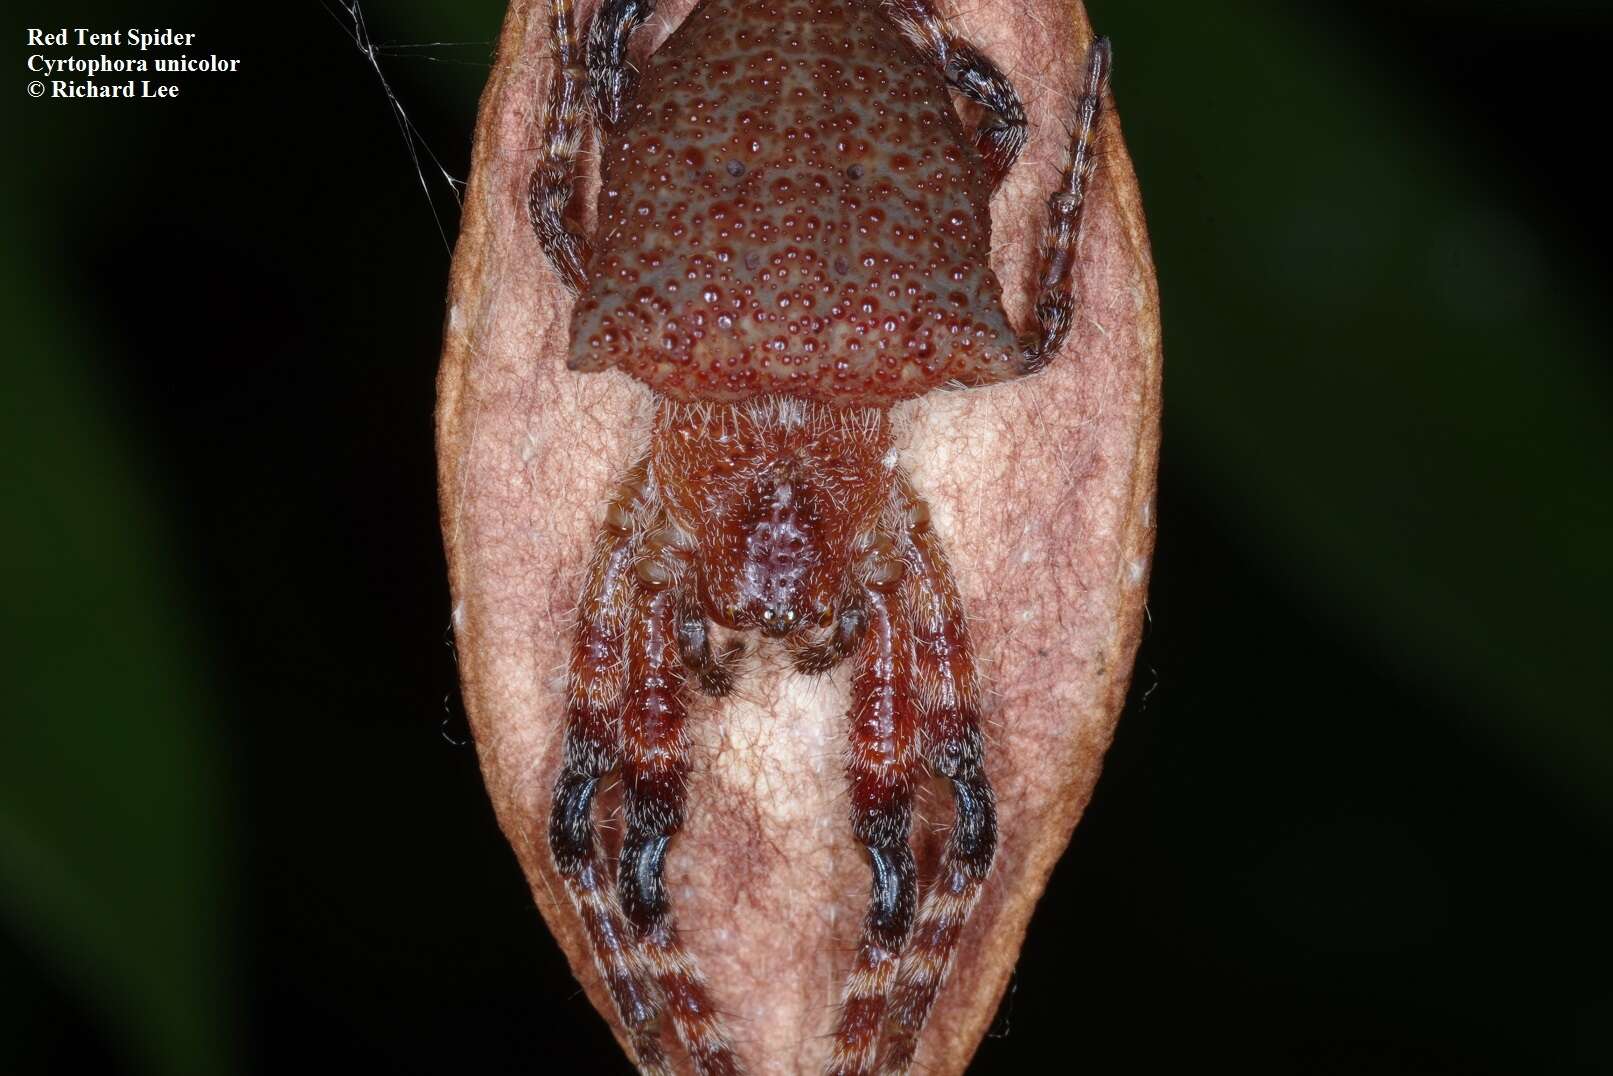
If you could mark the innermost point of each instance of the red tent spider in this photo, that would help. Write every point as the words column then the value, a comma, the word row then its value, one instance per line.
column 793, row 236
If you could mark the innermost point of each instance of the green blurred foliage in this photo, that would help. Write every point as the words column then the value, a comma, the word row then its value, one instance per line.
column 1395, row 386
column 115, row 863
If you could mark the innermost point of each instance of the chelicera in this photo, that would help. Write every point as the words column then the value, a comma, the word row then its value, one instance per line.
column 793, row 237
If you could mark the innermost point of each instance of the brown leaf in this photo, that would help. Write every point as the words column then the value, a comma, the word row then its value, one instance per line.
column 1043, row 490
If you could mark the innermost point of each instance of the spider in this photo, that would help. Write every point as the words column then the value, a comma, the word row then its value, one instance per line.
column 793, row 238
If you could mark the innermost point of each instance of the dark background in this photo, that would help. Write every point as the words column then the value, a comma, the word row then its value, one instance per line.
column 1359, row 814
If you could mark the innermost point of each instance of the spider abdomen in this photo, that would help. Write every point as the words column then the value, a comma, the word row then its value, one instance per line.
column 792, row 206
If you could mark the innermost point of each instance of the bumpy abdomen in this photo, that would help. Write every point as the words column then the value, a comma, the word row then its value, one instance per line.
column 791, row 206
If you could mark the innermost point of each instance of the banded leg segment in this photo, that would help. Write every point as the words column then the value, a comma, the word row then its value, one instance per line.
column 882, row 759
column 594, row 695
column 947, row 696
column 1000, row 135
column 552, row 188
column 1055, row 305
column 818, row 653
column 713, row 669
column 655, row 768
column 610, row 72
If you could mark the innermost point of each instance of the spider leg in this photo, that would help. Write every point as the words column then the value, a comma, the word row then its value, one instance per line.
column 713, row 669
column 594, row 695
column 946, row 691
column 820, row 653
column 881, row 762
column 655, row 769
column 553, row 185
column 1000, row 134
column 609, row 71
column 1055, row 305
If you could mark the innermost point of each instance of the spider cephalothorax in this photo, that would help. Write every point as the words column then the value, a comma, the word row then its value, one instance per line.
column 793, row 236
column 773, row 503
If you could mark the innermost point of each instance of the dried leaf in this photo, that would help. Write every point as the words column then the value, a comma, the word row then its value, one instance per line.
column 1043, row 490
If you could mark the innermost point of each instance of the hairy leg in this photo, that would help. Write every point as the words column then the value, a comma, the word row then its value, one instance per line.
column 594, row 696
column 818, row 652
column 551, row 189
column 1000, row 135
column 946, row 690
column 880, row 768
column 609, row 71
column 1055, row 303
column 713, row 669
column 655, row 770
